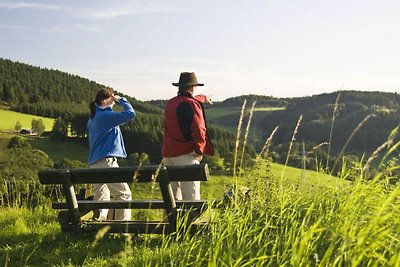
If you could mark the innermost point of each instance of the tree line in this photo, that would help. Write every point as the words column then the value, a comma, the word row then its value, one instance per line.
column 370, row 115
column 66, row 97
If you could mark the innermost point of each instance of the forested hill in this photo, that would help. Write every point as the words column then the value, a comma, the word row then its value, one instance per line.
column 380, row 110
column 57, row 94
column 66, row 97
column 50, row 93
column 262, row 101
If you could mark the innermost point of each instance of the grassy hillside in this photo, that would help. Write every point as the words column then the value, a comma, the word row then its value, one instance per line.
column 228, row 118
column 9, row 118
column 277, row 225
column 58, row 150
column 220, row 113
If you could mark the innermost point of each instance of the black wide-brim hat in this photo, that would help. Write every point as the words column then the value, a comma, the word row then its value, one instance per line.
column 187, row 79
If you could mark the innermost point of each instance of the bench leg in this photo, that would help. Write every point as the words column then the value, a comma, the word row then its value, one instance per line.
column 72, row 202
column 168, row 197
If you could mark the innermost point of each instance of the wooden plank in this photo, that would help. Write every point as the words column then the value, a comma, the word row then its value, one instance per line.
column 169, row 200
column 72, row 202
column 100, row 175
column 186, row 173
column 85, row 205
column 198, row 172
column 152, row 173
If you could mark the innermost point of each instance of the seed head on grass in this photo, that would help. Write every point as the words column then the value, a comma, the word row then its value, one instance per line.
column 99, row 235
column 238, row 137
column 247, row 132
column 291, row 144
column 388, row 143
column 334, row 114
column 372, row 115
column 267, row 144
column 316, row 147
column 394, row 147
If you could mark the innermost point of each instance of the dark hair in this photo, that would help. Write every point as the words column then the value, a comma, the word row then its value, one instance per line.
column 183, row 90
column 102, row 94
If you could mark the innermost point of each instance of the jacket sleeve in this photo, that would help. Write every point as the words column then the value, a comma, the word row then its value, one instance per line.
column 200, row 98
column 114, row 119
column 198, row 128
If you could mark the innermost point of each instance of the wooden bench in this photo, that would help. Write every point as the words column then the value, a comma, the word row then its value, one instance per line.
column 142, row 174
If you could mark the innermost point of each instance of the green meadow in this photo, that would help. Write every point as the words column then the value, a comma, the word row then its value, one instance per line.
column 9, row 118
column 274, row 215
column 280, row 221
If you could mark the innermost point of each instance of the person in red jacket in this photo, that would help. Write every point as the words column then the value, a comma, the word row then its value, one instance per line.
column 186, row 139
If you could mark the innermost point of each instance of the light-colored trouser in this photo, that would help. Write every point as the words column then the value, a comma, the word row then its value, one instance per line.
column 184, row 190
column 120, row 191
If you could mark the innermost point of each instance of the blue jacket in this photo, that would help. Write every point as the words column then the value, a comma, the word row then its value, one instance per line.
column 105, row 138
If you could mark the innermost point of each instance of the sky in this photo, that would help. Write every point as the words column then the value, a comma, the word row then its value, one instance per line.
column 279, row 48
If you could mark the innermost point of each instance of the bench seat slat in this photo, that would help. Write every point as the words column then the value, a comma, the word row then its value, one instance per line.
column 85, row 205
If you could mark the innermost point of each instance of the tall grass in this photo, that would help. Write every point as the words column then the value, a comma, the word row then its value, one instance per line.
column 344, row 226
column 334, row 114
column 246, row 134
column 28, row 193
column 361, row 124
column 238, row 136
column 272, row 224
column 354, row 225
column 291, row 144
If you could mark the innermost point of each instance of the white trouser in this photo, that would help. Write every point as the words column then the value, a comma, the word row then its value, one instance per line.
column 184, row 190
column 120, row 191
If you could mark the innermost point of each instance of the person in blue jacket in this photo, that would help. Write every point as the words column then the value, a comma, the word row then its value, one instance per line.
column 106, row 144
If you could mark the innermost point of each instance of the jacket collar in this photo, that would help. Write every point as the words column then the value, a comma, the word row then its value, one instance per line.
column 185, row 94
column 103, row 108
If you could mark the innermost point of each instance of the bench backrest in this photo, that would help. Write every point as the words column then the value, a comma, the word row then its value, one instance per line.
column 197, row 172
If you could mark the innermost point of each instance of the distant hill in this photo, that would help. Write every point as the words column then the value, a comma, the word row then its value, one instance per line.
column 262, row 101
column 382, row 110
column 56, row 94
column 66, row 97
column 50, row 93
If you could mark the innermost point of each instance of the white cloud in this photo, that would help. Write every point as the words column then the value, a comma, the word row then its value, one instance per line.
column 15, row 27
column 75, row 27
column 57, row 28
column 127, row 9
column 25, row 5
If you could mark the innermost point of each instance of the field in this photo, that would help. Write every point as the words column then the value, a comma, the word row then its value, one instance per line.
column 277, row 224
column 9, row 118
column 57, row 150
column 276, row 215
column 213, row 114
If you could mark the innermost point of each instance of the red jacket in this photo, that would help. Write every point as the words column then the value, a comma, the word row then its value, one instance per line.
column 185, row 128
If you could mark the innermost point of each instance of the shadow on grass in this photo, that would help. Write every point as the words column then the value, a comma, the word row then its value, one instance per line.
column 49, row 249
